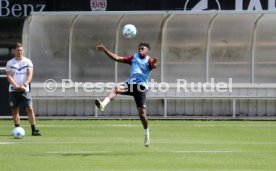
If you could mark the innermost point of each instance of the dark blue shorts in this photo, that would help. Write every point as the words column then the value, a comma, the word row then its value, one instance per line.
column 23, row 98
column 139, row 93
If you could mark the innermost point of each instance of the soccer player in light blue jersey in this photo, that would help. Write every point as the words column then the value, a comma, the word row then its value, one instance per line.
column 137, row 84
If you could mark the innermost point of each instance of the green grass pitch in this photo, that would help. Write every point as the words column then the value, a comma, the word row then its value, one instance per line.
column 88, row 145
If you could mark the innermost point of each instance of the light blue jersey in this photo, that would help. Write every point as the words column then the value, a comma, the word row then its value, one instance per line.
column 140, row 71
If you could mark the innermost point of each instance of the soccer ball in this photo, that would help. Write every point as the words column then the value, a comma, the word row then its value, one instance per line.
column 129, row 31
column 18, row 132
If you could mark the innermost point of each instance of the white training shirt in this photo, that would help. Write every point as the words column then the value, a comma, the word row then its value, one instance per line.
column 19, row 69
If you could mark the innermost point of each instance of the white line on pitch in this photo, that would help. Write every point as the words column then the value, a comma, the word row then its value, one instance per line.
column 201, row 151
column 48, row 142
column 76, row 152
column 153, row 124
column 112, row 125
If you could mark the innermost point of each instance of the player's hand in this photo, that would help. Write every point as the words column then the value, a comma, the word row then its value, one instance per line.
column 22, row 88
column 101, row 47
column 154, row 63
column 19, row 89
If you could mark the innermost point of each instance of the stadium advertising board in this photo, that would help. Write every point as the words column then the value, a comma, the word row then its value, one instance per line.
column 236, row 5
column 9, row 8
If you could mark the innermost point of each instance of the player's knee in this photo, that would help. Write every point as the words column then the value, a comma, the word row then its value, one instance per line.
column 116, row 91
column 142, row 111
column 119, row 90
column 29, row 109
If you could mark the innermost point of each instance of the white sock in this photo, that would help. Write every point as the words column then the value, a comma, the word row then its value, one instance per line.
column 147, row 132
column 105, row 101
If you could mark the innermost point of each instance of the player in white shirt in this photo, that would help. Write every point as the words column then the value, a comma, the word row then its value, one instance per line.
column 19, row 74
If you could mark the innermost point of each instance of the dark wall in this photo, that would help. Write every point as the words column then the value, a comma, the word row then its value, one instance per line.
column 4, row 98
column 116, row 5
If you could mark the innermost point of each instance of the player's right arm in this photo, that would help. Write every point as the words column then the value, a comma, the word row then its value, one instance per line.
column 111, row 55
column 14, row 85
column 11, row 80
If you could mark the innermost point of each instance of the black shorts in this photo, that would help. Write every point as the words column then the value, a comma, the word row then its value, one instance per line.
column 23, row 98
column 139, row 93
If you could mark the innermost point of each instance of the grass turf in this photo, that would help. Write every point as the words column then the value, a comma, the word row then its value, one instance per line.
column 118, row 145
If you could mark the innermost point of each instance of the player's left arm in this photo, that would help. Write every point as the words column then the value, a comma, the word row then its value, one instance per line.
column 29, row 77
column 153, row 63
